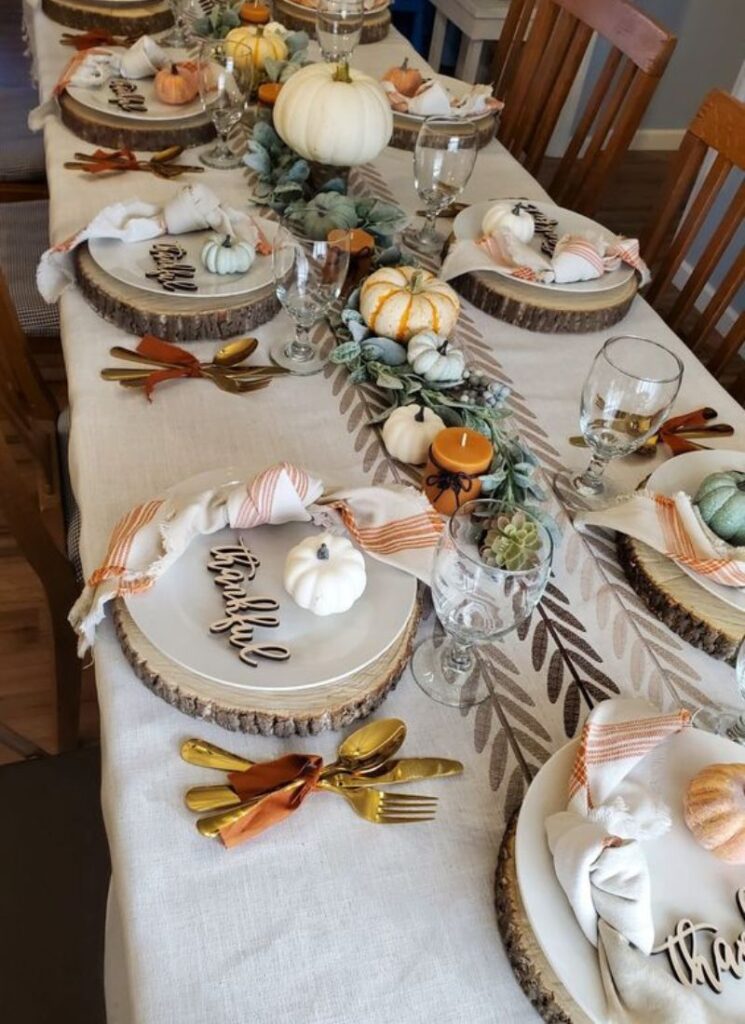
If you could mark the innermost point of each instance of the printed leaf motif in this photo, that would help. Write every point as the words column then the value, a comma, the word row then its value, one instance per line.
column 515, row 792
column 540, row 645
column 572, row 704
column 482, row 726
column 498, row 759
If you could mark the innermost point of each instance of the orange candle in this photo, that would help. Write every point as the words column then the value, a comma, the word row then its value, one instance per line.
column 456, row 457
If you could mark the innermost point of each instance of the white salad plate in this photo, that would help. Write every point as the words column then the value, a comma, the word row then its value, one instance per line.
column 175, row 615
column 686, row 880
column 131, row 262
column 98, row 99
column 686, row 473
column 467, row 226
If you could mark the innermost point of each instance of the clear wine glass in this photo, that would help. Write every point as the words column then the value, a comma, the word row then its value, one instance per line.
column 225, row 83
column 625, row 399
column 477, row 603
column 180, row 35
column 727, row 723
column 339, row 27
column 444, row 158
column 308, row 277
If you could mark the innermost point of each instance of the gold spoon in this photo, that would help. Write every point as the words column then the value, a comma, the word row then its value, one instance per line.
column 362, row 751
column 235, row 351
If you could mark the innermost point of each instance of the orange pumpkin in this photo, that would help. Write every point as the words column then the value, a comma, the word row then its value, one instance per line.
column 360, row 242
column 268, row 92
column 715, row 810
column 176, row 85
column 254, row 14
column 405, row 79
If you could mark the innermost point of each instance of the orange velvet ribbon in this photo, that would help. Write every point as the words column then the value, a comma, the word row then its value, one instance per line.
column 284, row 784
column 116, row 160
column 668, row 433
column 184, row 364
column 86, row 40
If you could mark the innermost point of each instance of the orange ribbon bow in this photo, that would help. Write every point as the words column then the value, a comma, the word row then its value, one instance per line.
column 283, row 785
column 183, row 363
column 113, row 160
column 87, row 40
column 678, row 431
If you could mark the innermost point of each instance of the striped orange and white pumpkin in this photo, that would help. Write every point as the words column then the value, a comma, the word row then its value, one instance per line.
column 399, row 302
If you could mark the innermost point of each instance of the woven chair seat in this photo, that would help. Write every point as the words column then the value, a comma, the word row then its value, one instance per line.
column 22, row 151
column 24, row 235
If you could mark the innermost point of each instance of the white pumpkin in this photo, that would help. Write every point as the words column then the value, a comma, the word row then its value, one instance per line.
column 227, row 256
column 399, row 302
column 264, row 44
column 325, row 574
column 429, row 356
column 409, row 431
column 334, row 115
column 512, row 217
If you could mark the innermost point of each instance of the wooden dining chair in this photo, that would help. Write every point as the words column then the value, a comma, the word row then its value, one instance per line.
column 716, row 134
column 545, row 67
column 510, row 44
column 34, row 510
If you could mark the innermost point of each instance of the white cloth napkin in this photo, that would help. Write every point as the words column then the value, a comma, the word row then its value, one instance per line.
column 576, row 258
column 394, row 524
column 143, row 59
column 433, row 98
column 605, row 876
column 193, row 208
column 673, row 527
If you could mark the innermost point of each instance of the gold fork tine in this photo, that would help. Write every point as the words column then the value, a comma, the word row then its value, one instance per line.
column 385, row 820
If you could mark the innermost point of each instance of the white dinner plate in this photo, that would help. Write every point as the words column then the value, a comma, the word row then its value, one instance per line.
column 99, row 99
column 686, row 473
column 131, row 262
column 175, row 615
column 686, row 880
column 467, row 226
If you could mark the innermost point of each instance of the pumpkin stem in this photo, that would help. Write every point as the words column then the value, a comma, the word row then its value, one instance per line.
column 323, row 553
column 405, row 64
column 342, row 72
column 227, row 243
column 174, row 69
column 416, row 281
column 443, row 348
column 419, row 416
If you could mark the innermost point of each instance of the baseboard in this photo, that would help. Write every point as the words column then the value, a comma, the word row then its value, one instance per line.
column 728, row 318
column 657, row 139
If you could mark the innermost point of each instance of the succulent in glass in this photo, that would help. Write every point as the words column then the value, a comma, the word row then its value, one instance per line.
column 510, row 542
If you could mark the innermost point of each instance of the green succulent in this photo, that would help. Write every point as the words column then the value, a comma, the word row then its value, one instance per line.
column 511, row 542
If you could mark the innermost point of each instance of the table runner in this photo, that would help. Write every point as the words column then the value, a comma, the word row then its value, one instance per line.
column 328, row 919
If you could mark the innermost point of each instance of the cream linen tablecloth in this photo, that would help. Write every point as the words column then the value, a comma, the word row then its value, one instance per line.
column 327, row 920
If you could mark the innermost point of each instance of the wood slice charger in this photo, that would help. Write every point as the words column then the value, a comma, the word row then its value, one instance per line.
column 119, row 132
column 170, row 315
column 120, row 18
column 531, row 968
column 539, row 309
column 406, row 129
column 301, row 712
column 299, row 18
column 681, row 603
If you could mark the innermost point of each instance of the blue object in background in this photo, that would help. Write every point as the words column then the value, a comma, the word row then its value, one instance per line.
column 413, row 19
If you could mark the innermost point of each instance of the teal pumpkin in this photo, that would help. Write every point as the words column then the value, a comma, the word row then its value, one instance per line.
column 721, row 502
column 328, row 210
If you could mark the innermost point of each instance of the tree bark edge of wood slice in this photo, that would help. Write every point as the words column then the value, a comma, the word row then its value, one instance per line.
column 679, row 602
column 102, row 129
column 552, row 313
column 138, row 312
column 298, row 18
column 405, row 132
column 338, row 704
column 143, row 19
column 529, row 965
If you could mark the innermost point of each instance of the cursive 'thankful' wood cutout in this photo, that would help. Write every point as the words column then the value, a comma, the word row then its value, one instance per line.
column 692, row 967
column 235, row 565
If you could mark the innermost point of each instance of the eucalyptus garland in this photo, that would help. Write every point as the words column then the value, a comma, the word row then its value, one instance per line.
column 473, row 402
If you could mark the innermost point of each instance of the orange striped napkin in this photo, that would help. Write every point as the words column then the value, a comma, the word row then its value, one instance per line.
column 394, row 524
column 673, row 527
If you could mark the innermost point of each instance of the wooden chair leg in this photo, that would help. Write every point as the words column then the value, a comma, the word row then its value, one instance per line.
column 68, row 673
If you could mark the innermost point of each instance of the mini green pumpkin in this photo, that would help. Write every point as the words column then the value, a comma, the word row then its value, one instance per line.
column 326, row 211
column 227, row 256
column 721, row 502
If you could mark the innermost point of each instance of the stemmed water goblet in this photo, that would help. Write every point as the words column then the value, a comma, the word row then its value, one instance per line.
column 444, row 157
column 626, row 397
column 184, row 13
column 476, row 602
column 339, row 28
column 225, row 84
column 308, row 278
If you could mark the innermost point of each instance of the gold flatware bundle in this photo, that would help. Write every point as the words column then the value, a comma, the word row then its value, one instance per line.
column 363, row 763
column 119, row 160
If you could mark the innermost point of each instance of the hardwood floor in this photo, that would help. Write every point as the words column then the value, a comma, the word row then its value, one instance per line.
column 26, row 677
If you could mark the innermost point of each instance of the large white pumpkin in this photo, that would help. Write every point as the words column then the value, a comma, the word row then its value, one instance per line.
column 333, row 115
column 325, row 574
column 409, row 431
column 399, row 302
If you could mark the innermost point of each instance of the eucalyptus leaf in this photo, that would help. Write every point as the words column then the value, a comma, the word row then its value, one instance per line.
column 336, row 185
column 346, row 352
column 358, row 330
column 385, row 351
column 348, row 315
column 387, row 380
column 297, row 41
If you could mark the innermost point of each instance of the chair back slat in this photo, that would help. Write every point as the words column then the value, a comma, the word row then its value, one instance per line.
column 510, row 44
column 545, row 72
column 717, row 132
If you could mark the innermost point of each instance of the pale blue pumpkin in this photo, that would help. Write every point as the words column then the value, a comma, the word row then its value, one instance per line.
column 721, row 502
column 326, row 211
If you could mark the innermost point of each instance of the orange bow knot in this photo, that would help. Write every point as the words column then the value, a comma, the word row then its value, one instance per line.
column 183, row 363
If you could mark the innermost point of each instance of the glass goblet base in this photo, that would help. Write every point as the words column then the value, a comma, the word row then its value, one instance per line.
column 175, row 39
column 575, row 496
column 429, row 242
column 727, row 723
column 220, row 157
column 445, row 677
column 285, row 354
